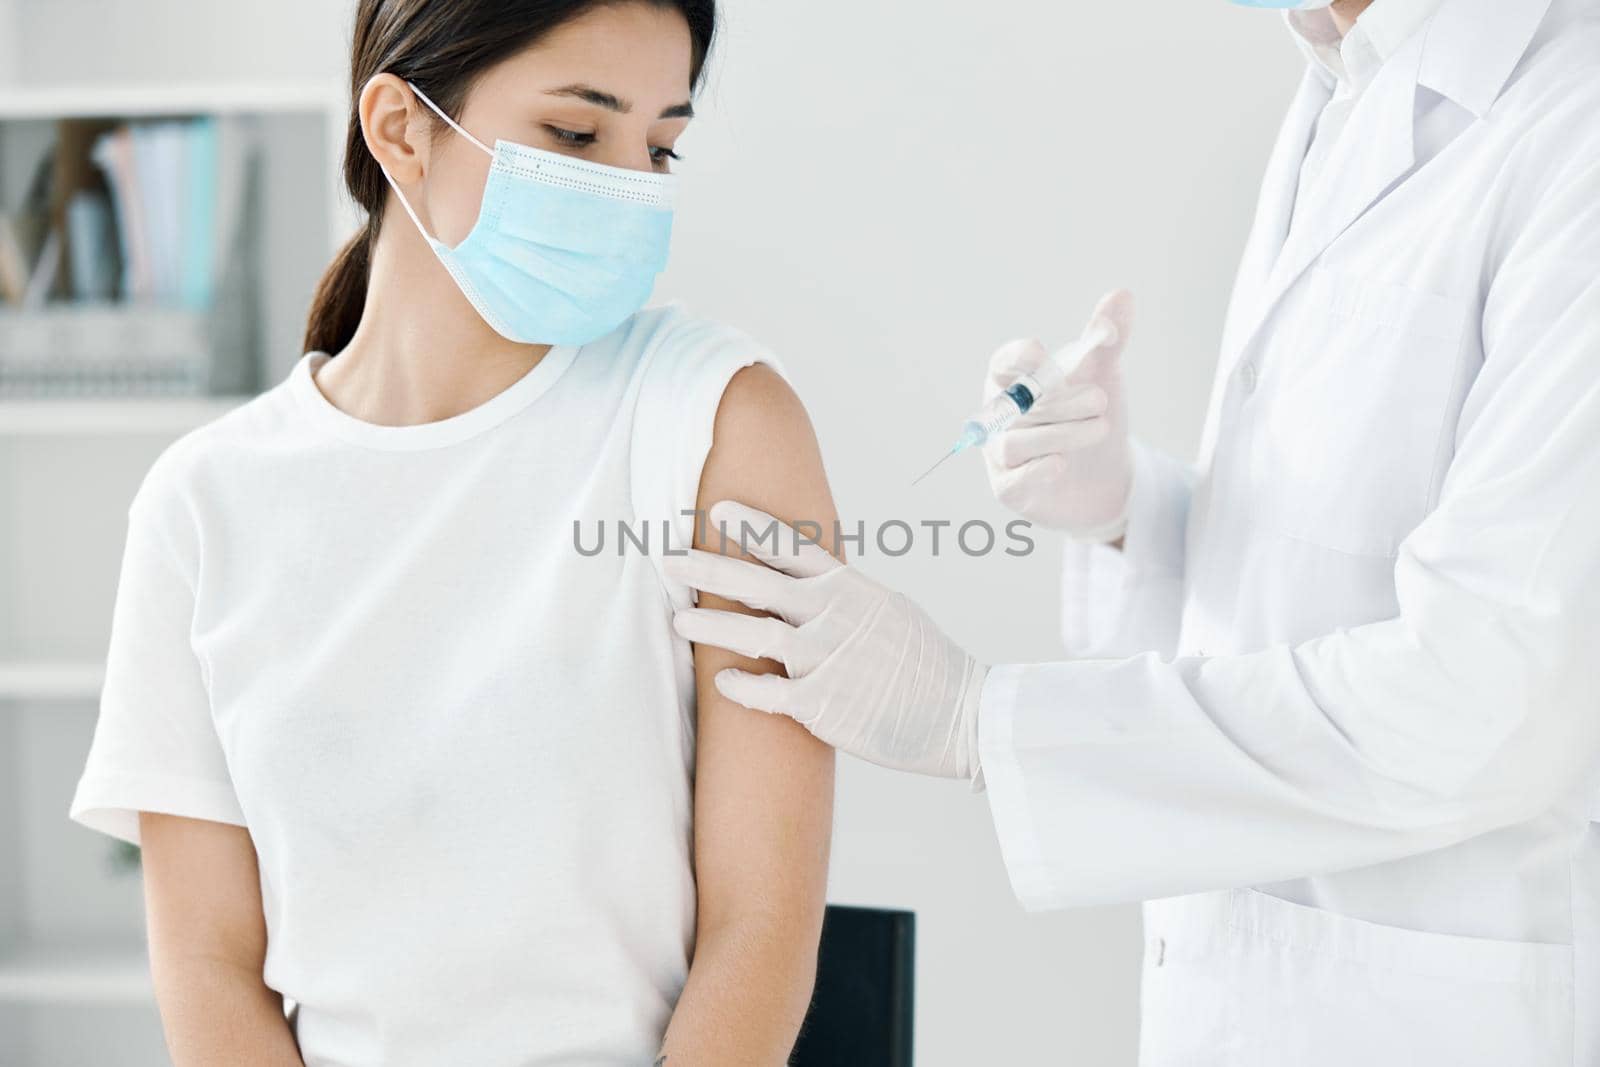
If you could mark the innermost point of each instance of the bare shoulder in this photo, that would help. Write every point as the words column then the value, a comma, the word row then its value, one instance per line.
column 764, row 452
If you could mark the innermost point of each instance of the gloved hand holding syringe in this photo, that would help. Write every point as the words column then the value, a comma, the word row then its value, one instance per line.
column 1048, row 377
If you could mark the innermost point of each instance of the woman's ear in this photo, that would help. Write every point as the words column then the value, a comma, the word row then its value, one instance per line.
column 394, row 128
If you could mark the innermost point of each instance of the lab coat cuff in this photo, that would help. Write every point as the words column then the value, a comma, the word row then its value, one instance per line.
column 1003, row 782
column 1106, row 591
column 1158, row 512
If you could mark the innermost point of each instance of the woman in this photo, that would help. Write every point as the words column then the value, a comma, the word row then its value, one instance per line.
column 396, row 750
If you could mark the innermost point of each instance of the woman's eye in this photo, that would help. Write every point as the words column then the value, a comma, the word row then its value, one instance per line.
column 662, row 155
column 571, row 137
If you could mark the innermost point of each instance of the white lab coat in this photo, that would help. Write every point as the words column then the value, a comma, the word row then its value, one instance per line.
column 1353, row 763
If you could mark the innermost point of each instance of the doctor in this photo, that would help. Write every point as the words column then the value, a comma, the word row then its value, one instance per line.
column 1334, row 702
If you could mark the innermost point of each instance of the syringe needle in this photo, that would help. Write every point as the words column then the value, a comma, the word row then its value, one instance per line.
column 1002, row 409
column 936, row 466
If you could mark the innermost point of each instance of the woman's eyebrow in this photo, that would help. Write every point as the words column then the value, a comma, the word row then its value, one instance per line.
column 600, row 98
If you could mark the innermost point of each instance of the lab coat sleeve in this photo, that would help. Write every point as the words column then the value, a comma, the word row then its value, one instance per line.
column 1472, row 709
column 1122, row 602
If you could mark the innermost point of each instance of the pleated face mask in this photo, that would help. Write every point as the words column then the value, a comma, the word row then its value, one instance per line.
column 564, row 250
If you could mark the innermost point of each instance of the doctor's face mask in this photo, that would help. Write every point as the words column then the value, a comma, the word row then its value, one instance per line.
column 564, row 250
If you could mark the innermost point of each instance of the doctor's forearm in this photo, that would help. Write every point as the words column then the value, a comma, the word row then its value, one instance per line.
column 1240, row 776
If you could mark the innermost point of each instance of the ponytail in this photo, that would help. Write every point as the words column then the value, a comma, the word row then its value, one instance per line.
column 341, row 296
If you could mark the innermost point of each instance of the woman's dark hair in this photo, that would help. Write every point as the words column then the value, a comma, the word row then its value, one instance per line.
column 442, row 46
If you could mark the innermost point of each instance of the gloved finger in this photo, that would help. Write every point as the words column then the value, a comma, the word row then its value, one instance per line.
column 770, row 540
column 1011, row 361
column 1018, row 488
column 1116, row 308
column 1016, row 447
column 762, row 692
column 755, row 636
column 751, row 584
column 1065, row 405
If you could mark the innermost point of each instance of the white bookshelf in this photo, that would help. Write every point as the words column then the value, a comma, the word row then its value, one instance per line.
column 110, row 416
column 135, row 101
column 74, row 981
column 9, row 56
column 326, row 103
column 50, row 681
column 83, row 975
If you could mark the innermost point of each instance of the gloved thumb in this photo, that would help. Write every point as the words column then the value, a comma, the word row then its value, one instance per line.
column 1115, row 308
column 761, row 692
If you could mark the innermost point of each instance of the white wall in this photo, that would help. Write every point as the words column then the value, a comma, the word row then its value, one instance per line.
column 883, row 192
column 9, row 48
column 112, row 42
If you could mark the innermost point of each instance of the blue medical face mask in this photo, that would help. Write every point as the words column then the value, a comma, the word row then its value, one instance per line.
column 563, row 250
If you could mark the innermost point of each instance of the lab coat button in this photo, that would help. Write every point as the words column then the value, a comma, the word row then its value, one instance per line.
column 1161, row 951
column 1247, row 377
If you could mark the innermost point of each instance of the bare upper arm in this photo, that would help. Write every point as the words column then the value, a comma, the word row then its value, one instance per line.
column 763, row 784
column 202, row 892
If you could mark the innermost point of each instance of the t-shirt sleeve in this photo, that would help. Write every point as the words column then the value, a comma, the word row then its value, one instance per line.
column 155, row 745
column 684, row 375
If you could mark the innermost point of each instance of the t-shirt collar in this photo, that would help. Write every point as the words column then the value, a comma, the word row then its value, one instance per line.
column 516, row 397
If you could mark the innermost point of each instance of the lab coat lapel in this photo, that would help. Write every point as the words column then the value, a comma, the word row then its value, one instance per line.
column 1474, row 46
column 1375, row 150
column 1467, row 53
column 1277, row 203
column 1273, row 211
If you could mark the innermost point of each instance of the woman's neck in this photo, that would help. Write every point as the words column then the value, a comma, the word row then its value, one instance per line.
column 421, row 352
column 1345, row 13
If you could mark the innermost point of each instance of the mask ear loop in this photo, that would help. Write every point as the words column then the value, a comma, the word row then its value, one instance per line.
column 454, row 125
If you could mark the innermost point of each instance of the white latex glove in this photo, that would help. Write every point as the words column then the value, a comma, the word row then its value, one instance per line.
column 869, row 672
column 1068, row 463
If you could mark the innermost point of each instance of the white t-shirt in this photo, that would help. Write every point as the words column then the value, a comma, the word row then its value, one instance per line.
column 462, row 746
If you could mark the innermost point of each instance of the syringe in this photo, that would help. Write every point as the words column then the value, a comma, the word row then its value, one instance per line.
column 1028, row 390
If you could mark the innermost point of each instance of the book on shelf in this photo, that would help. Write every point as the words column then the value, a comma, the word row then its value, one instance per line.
column 91, row 246
column 177, row 186
column 129, row 267
column 13, row 265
